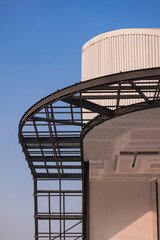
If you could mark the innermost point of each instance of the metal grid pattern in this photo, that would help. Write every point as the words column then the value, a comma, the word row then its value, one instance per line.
column 53, row 146
column 51, row 134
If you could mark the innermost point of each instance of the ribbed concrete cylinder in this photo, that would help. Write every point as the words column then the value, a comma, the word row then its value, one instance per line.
column 120, row 51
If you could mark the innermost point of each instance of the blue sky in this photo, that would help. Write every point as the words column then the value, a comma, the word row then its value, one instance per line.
column 40, row 52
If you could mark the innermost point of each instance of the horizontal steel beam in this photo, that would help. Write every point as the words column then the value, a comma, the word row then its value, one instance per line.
column 50, row 146
column 57, row 217
column 54, row 159
column 56, row 191
column 110, row 96
column 57, row 176
column 123, row 87
column 57, row 167
column 61, row 121
column 51, row 139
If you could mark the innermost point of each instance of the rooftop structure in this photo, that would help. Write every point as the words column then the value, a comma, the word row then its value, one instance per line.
column 87, row 141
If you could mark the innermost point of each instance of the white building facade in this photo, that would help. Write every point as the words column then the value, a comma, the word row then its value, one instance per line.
column 123, row 152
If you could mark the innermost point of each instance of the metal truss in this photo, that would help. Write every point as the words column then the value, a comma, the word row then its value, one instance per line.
column 51, row 133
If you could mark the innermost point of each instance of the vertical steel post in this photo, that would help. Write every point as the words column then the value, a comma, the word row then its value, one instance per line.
column 157, row 206
column 60, row 207
column 64, row 228
column 35, row 209
column 49, row 211
column 86, row 201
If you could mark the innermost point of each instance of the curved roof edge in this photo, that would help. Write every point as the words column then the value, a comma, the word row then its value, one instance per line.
column 113, row 78
column 149, row 31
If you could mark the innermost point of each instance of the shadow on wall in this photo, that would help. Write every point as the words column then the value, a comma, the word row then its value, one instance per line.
column 122, row 211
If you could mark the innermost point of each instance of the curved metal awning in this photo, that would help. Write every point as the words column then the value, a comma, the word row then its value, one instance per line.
column 51, row 132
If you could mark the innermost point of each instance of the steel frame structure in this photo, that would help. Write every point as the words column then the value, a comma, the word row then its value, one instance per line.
column 51, row 133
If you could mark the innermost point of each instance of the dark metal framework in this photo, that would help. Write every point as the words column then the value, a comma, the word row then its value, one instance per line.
column 51, row 133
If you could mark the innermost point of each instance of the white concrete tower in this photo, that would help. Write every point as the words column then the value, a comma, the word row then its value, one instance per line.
column 120, row 51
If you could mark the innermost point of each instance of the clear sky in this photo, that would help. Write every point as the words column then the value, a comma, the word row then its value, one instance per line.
column 40, row 52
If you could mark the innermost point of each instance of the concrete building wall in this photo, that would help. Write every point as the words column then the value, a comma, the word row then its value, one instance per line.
column 122, row 210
